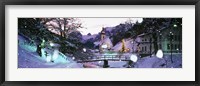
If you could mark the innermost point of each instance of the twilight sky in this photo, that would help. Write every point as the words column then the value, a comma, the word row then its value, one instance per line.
column 94, row 25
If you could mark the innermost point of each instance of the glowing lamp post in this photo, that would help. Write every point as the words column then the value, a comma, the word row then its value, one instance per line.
column 133, row 60
column 175, row 25
column 51, row 44
column 55, row 51
column 171, row 39
column 159, row 54
column 73, row 58
column 84, row 50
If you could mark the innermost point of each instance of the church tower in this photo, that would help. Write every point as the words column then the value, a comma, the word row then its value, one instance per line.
column 105, row 42
column 103, row 34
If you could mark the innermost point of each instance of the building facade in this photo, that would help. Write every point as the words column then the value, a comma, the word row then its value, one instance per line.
column 145, row 44
column 169, row 40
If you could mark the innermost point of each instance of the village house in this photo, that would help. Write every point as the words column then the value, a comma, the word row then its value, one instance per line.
column 169, row 40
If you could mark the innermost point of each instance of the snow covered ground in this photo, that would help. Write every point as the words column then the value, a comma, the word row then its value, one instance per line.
column 28, row 58
column 165, row 62
column 112, row 64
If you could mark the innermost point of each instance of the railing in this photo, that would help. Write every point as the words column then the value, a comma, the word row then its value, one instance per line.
column 112, row 56
column 108, row 57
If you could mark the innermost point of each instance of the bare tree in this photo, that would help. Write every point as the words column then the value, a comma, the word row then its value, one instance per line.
column 62, row 26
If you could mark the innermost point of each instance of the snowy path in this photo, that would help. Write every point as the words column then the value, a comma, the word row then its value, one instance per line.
column 154, row 62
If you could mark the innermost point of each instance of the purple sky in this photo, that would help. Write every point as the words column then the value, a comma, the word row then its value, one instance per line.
column 94, row 25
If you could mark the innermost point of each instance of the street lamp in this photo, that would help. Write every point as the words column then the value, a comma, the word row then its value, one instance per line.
column 150, row 46
column 133, row 60
column 84, row 49
column 55, row 54
column 51, row 44
column 175, row 25
column 171, row 39
column 73, row 58
column 171, row 36
column 159, row 54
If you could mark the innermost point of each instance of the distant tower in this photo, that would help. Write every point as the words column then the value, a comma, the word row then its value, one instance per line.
column 103, row 34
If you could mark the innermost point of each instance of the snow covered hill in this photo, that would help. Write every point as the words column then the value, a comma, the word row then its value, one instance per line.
column 86, row 37
column 28, row 58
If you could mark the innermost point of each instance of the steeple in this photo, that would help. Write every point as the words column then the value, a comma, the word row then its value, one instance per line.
column 103, row 34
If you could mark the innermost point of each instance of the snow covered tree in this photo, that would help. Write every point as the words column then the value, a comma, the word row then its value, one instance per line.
column 62, row 26
column 153, row 26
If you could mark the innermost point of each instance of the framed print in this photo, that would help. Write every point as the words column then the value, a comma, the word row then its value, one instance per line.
column 100, row 42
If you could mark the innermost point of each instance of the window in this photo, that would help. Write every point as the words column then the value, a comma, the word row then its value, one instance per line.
column 142, row 48
column 145, row 48
column 168, row 46
column 175, row 46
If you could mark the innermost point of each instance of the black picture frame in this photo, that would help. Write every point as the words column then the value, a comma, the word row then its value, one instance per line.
column 98, row 2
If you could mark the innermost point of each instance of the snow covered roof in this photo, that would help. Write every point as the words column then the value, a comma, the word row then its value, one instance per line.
column 144, row 34
column 107, row 40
